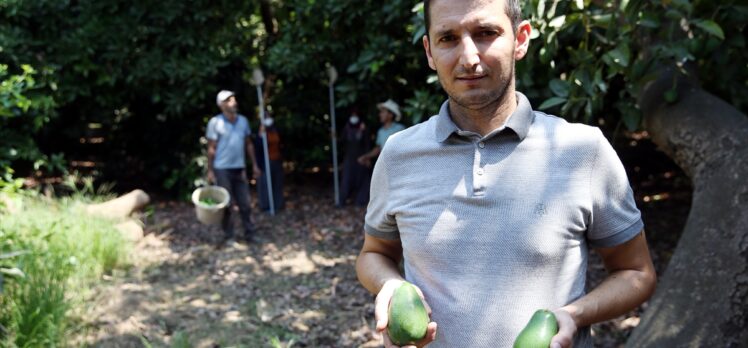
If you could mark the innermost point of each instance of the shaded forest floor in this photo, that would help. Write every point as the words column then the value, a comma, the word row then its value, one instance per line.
column 297, row 287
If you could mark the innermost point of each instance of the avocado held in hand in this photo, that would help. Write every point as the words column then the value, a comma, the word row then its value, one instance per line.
column 408, row 318
column 539, row 331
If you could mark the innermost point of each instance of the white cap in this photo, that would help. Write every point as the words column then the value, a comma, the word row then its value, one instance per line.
column 391, row 106
column 222, row 96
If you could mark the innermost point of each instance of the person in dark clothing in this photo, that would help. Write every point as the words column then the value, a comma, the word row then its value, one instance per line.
column 356, row 176
column 276, row 166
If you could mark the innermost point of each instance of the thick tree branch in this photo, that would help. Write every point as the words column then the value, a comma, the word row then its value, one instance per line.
column 701, row 300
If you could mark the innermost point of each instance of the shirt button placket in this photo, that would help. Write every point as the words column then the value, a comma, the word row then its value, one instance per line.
column 478, row 171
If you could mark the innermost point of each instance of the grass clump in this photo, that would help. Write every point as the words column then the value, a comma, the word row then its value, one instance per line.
column 51, row 254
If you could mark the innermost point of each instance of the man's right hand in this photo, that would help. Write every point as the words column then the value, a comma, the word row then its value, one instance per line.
column 381, row 310
column 211, row 177
column 364, row 161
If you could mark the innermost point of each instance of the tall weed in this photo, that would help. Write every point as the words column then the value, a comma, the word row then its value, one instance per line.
column 59, row 252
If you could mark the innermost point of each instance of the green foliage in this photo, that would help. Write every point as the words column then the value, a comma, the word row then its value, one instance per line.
column 597, row 56
column 183, row 179
column 373, row 64
column 146, row 73
column 54, row 253
column 422, row 105
column 24, row 110
column 179, row 340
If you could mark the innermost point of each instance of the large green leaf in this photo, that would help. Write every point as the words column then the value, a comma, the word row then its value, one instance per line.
column 557, row 22
column 710, row 27
column 621, row 55
column 551, row 102
column 560, row 88
column 631, row 118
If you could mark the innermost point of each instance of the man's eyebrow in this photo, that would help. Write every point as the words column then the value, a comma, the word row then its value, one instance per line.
column 488, row 26
column 444, row 32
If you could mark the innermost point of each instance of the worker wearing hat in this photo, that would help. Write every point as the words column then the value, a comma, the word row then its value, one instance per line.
column 389, row 116
column 228, row 146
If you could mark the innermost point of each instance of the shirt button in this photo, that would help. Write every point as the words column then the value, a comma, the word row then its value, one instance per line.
column 481, row 144
column 480, row 171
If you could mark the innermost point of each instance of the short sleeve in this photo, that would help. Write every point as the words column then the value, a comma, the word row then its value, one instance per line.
column 379, row 221
column 211, row 132
column 381, row 138
column 247, row 130
column 615, row 218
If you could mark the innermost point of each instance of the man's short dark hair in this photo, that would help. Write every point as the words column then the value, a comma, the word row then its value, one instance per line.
column 512, row 10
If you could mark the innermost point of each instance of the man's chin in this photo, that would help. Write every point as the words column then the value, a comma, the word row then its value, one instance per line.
column 474, row 100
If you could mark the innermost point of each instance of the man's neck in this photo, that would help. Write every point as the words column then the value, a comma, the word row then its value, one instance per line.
column 388, row 124
column 485, row 119
column 231, row 116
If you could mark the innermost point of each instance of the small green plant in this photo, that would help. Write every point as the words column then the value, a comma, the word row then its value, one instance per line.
column 82, row 188
column 179, row 340
column 276, row 342
column 51, row 253
column 38, row 318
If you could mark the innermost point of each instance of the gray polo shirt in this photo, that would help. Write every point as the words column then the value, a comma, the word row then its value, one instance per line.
column 495, row 227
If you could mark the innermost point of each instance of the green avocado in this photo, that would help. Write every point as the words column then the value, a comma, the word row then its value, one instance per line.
column 539, row 331
column 408, row 318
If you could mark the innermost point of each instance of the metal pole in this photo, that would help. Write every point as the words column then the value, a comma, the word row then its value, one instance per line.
column 334, row 145
column 265, row 150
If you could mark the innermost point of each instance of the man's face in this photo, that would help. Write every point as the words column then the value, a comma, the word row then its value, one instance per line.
column 472, row 47
column 230, row 104
column 385, row 115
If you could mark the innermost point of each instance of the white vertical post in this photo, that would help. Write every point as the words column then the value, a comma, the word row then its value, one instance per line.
column 257, row 80
column 333, row 75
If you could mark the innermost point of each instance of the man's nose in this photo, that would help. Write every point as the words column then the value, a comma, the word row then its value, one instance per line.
column 469, row 57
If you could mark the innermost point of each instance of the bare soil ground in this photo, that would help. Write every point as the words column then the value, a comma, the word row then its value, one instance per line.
column 297, row 287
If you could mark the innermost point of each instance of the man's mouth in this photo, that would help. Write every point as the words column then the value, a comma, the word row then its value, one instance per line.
column 471, row 77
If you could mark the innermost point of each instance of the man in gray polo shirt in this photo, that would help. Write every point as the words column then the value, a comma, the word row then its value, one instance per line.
column 493, row 207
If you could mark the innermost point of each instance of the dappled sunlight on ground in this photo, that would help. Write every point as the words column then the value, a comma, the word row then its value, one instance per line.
column 296, row 288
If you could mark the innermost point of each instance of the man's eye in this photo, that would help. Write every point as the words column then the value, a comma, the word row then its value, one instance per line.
column 487, row 33
column 447, row 38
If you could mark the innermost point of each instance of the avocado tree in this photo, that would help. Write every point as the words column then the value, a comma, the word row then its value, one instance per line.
column 675, row 68
column 142, row 76
column 24, row 109
column 139, row 76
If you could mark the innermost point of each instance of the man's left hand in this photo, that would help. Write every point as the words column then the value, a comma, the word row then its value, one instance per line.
column 256, row 172
column 567, row 328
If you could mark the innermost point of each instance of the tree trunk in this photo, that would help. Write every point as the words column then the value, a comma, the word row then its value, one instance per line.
column 271, row 27
column 702, row 299
column 268, row 20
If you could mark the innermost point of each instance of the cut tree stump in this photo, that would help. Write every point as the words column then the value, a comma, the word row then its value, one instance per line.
column 120, row 207
column 131, row 229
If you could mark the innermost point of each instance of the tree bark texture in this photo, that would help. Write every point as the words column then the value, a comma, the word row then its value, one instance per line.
column 702, row 299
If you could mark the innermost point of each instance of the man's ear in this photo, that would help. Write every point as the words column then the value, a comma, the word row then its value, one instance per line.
column 522, row 40
column 427, row 48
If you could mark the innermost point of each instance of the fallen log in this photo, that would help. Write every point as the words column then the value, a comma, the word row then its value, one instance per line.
column 120, row 207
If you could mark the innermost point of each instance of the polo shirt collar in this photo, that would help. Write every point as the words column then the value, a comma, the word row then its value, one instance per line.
column 519, row 121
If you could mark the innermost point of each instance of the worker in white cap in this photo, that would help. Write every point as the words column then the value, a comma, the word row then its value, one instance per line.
column 389, row 116
column 228, row 146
